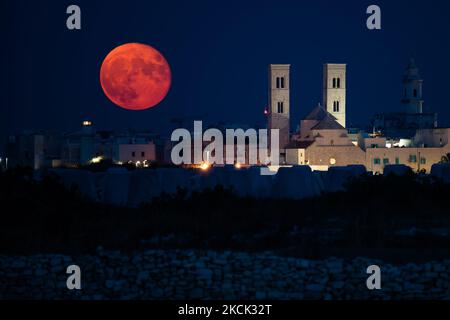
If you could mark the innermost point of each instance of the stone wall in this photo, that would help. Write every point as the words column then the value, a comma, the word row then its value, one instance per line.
column 191, row 274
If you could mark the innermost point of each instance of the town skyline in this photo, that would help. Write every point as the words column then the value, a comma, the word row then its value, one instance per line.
column 189, row 119
column 55, row 94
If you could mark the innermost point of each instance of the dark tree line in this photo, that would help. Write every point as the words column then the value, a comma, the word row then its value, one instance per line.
column 43, row 216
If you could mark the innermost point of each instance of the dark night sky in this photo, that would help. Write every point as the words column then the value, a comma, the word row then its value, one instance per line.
column 219, row 53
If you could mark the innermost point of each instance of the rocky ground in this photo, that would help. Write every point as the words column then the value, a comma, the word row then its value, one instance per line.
column 188, row 274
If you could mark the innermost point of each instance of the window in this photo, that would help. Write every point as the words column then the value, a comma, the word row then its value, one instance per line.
column 385, row 161
column 397, row 160
column 133, row 154
column 376, row 161
column 334, row 82
column 332, row 142
column 338, row 82
column 374, row 146
column 280, row 107
column 143, row 154
column 423, row 161
column 413, row 158
column 415, row 93
column 336, row 106
column 281, row 83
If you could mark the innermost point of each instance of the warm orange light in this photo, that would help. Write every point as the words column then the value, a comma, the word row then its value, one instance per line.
column 238, row 166
column 204, row 166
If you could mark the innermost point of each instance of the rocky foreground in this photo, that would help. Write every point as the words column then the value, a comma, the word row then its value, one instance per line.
column 187, row 274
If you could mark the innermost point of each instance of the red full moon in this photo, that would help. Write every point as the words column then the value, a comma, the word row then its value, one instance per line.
column 135, row 76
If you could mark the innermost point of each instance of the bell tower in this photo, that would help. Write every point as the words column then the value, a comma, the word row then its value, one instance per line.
column 334, row 91
column 412, row 89
column 279, row 101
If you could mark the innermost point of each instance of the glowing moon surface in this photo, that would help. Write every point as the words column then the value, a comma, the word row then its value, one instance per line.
column 135, row 76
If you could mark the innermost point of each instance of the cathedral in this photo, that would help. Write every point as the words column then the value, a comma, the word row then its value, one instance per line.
column 324, row 141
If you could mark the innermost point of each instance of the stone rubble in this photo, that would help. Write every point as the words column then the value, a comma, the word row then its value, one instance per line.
column 189, row 274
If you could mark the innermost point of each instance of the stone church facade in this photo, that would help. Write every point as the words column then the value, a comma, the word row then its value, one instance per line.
column 323, row 140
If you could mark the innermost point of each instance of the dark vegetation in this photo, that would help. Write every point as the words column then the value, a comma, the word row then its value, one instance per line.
column 106, row 164
column 388, row 214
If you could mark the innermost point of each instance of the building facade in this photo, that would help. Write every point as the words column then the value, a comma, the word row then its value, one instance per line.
column 327, row 144
column 412, row 138
column 40, row 150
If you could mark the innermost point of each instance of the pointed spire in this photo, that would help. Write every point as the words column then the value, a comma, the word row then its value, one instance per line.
column 412, row 72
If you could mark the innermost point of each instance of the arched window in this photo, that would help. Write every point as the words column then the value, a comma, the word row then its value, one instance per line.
column 282, row 83
column 280, row 107
column 338, row 82
column 278, row 83
column 334, row 82
column 336, row 106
